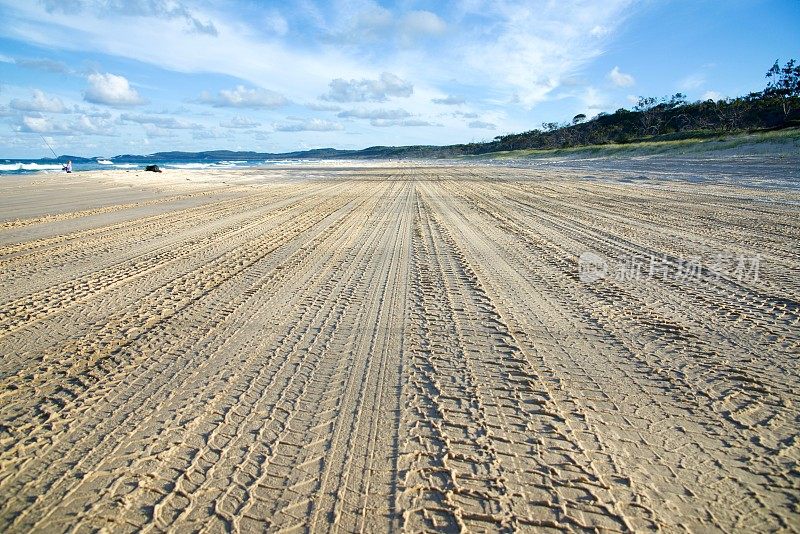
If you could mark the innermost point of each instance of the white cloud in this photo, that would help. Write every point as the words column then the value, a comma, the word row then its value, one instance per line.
column 241, row 49
column 308, row 125
column 519, row 47
column 449, row 100
column 169, row 9
column 198, row 26
column 418, row 23
column 540, row 44
column 712, row 95
column 211, row 133
column 482, row 125
column 369, row 22
column 167, row 123
column 275, row 23
column 594, row 100
column 40, row 125
column 384, row 118
column 358, row 22
column 385, row 123
column 40, row 102
column 380, row 90
column 6, row 59
column 620, row 79
column 374, row 113
column 111, row 90
column 323, row 106
column 153, row 132
column 243, row 97
column 240, row 122
column 93, row 125
column 47, row 65
column 693, row 81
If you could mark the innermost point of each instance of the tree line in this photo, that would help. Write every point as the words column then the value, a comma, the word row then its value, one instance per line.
column 652, row 119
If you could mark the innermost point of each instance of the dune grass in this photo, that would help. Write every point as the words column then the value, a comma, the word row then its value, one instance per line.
column 779, row 140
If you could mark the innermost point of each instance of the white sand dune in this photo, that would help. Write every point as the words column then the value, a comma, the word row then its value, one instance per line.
column 397, row 347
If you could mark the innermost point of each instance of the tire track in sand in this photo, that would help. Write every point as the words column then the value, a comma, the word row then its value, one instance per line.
column 399, row 349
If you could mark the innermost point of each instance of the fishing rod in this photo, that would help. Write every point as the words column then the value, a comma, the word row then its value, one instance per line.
column 48, row 146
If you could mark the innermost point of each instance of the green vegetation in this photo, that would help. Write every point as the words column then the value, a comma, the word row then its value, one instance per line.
column 788, row 137
column 666, row 120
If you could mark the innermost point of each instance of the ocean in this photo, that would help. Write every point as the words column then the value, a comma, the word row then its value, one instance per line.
column 49, row 165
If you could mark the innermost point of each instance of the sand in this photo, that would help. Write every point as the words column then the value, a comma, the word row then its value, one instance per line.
column 398, row 347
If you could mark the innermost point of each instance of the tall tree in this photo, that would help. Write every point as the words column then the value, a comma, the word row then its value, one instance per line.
column 784, row 85
column 648, row 115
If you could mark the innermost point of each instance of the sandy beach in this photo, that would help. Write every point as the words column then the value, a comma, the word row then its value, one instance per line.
column 400, row 347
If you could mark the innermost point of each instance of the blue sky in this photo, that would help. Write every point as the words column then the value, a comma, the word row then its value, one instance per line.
column 108, row 77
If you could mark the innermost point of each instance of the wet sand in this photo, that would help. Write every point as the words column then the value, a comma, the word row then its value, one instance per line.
column 398, row 347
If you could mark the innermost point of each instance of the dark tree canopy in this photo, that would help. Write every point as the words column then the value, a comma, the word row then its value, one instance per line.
column 784, row 85
column 784, row 81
